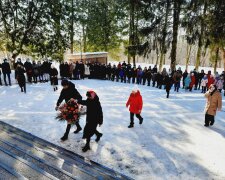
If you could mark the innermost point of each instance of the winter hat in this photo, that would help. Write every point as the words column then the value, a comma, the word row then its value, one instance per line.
column 91, row 94
column 64, row 82
column 135, row 89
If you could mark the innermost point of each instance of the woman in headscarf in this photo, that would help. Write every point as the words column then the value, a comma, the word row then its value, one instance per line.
column 94, row 118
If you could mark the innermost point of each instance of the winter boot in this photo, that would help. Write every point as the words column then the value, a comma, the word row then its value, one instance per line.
column 131, row 125
column 167, row 94
column 78, row 128
column 65, row 137
column 56, row 88
column 87, row 146
column 99, row 135
column 212, row 122
column 141, row 121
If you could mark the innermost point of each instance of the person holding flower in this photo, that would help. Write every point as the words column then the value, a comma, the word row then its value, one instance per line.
column 69, row 91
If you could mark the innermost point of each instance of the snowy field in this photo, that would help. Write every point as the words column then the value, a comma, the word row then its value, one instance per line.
column 172, row 142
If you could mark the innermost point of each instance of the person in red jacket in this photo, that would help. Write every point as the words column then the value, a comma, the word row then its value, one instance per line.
column 192, row 82
column 135, row 102
column 210, row 81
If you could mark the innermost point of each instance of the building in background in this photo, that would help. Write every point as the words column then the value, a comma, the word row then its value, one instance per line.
column 92, row 57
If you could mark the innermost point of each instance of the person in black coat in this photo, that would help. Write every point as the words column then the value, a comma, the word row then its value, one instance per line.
column 149, row 75
column 94, row 118
column 168, row 84
column 113, row 72
column 69, row 91
column 6, row 71
column 133, row 74
column 54, row 77
column 21, row 77
column 184, row 75
column 15, row 65
column 201, row 75
column 29, row 70
column 81, row 67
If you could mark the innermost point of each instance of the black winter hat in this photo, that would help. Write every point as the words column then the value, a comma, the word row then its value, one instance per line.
column 64, row 82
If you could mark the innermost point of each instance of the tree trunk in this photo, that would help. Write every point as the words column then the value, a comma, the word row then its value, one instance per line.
column 176, row 22
column 84, row 39
column 132, row 31
column 197, row 63
column 163, row 46
column 188, row 56
column 216, row 60
column 161, row 61
column 204, row 58
column 72, row 27
column 157, row 54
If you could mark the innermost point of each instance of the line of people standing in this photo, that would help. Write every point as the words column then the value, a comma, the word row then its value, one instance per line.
column 125, row 73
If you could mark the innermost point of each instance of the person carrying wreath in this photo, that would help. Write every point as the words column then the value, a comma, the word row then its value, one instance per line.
column 69, row 91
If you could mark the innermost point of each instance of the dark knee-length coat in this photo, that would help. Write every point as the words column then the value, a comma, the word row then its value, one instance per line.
column 20, row 76
column 94, row 115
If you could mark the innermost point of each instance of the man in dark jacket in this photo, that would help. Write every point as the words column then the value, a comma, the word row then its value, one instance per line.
column 69, row 91
column 18, row 62
column 29, row 70
column 168, row 82
column 6, row 71
column 94, row 118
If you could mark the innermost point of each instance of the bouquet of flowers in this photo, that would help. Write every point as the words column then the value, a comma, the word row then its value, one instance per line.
column 70, row 112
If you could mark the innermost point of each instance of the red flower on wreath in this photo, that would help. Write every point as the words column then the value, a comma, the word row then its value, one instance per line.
column 69, row 112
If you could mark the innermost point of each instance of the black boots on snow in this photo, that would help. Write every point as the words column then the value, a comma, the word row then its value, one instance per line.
column 87, row 145
column 141, row 121
column 131, row 125
column 65, row 137
column 78, row 128
column 86, row 148
column 55, row 88
column 132, row 122
column 99, row 135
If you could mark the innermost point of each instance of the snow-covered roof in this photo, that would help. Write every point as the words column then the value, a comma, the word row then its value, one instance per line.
column 89, row 53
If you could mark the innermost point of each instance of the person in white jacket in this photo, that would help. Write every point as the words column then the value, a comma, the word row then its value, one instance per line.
column 219, row 84
column 86, row 70
column 204, row 82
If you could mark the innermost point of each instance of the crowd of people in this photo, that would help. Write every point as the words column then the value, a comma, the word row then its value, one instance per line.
column 43, row 72
column 122, row 72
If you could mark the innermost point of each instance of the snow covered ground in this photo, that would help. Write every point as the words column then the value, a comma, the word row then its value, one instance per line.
column 172, row 142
